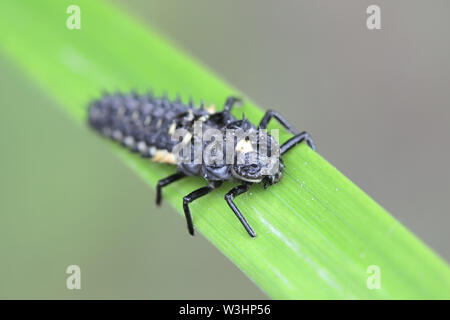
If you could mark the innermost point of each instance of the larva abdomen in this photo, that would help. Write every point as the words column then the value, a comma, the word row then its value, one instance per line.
column 142, row 123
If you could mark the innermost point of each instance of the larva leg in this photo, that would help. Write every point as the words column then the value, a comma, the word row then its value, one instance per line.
column 229, row 198
column 166, row 181
column 298, row 137
column 193, row 196
column 292, row 142
column 273, row 114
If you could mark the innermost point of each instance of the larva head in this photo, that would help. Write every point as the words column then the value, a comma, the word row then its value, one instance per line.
column 258, row 160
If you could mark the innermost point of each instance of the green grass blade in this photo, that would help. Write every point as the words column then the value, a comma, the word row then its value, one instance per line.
column 317, row 232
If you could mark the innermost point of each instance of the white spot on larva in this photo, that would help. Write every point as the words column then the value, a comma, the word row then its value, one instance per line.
column 211, row 109
column 129, row 141
column 172, row 128
column 152, row 151
column 117, row 134
column 244, row 146
column 142, row 146
column 147, row 120
column 158, row 156
column 163, row 156
column 158, row 124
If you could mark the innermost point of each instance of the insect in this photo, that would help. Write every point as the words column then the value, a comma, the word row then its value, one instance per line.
column 145, row 124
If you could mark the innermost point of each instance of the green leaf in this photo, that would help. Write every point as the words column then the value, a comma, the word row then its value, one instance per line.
column 318, row 233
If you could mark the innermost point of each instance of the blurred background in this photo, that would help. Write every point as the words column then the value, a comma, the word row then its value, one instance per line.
column 376, row 102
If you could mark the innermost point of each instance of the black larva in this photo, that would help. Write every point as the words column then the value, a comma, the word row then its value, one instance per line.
column 145, row 124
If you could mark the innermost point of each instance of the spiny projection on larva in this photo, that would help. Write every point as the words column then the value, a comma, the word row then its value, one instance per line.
column 172, row 132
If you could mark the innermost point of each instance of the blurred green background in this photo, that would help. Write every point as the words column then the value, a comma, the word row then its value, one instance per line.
column 375, row 101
